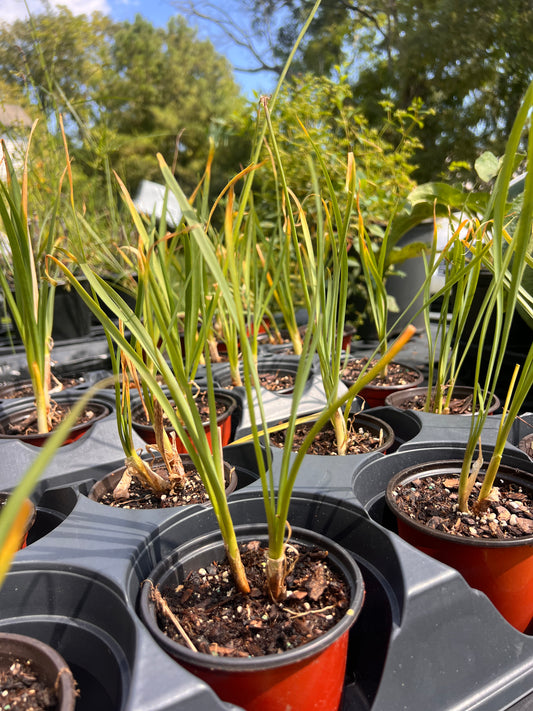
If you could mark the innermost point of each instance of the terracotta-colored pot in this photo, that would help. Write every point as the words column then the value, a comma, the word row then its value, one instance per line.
column 146, row 431
column 307, row 678
column 17, row 412
column 47, row 663
column 502, row 569
column 375, row 393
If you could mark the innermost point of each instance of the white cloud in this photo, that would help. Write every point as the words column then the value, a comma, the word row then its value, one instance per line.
column 16, row 9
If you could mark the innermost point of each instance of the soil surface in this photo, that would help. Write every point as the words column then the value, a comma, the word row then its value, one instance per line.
column 432, row 501
column 22, row 690
column 458, row 405
column 277, row 381
column 190, row 490
column 397, row 374
column 221, row 621
column 28, row 425
column 361, row 439
column 12, row 391
column 201, row 403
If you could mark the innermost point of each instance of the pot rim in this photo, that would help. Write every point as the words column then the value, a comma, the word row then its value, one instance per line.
column 389, row 400
column 231, row 400
column 377, row 386
column 48, row 661
column 425, row 469
column 108, row 481
column 340, row 558
column 374, row 423
column 16, row 408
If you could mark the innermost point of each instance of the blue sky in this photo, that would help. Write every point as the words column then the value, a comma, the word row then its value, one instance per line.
column 157, row 12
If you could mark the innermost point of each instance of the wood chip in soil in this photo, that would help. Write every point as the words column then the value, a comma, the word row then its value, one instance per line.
column 360, row 439
column 396, row 374
column 432, row 501
column 223, row 622
column 21, row 689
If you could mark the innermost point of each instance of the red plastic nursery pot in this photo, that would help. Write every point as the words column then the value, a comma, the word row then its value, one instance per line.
column 307, row 678
column 502, row 569
column 17, row 412
column 375, row 393
column 50, row 666
column 146, row 431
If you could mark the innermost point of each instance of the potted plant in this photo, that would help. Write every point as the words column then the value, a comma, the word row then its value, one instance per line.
column 183, row 415
column 167, row 361
column 461, row 261
column 471, row 520
column 31, row 303
column 375, row 267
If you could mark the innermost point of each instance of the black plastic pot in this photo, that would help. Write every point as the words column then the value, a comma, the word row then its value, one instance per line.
column 47, row 664
column 13, row 411
column 282, row 366
column 373, row 425
column 296, row 678
column 72, row 317
column 82, row 618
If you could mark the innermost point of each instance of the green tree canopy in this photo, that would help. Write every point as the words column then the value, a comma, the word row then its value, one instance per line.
column 470, row 62
column 126, row 91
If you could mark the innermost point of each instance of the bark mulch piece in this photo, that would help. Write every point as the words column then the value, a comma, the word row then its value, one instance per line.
column 432, row 501
column 221, row 621
column 360, row 439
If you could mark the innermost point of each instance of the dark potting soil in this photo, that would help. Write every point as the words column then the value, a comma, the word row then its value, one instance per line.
column 277, row 381
column 457, row 406
column 188, row 490
column 360, row 439
column 201, row 403
column 433, row 500
column 21, row 689
column 397, row 374
column 58, row 412
column 221, row 621
column 25, row 389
